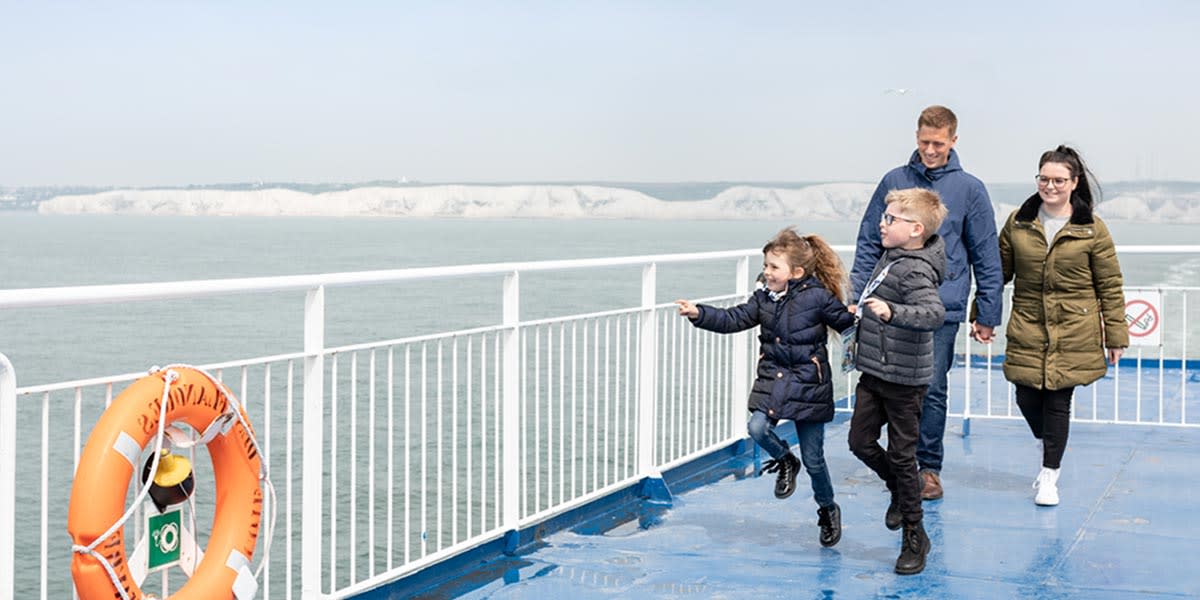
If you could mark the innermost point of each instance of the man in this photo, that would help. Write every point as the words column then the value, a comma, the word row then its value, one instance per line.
column 969, row 233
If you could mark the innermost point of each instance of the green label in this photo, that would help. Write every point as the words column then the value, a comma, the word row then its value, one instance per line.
column 165, row 537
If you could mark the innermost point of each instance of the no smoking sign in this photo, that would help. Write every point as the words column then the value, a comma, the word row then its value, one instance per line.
column 1143, row 315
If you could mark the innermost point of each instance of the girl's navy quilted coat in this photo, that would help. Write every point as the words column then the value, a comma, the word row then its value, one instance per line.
column 794, row 377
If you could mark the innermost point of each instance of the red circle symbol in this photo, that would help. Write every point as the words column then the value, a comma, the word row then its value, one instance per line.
column 1142, row 318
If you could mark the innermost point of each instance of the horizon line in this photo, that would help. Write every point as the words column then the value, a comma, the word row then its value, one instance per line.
column 563, row 182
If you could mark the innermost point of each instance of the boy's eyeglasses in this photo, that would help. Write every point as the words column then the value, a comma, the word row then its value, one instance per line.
column 1057, row 182
column 888, row 218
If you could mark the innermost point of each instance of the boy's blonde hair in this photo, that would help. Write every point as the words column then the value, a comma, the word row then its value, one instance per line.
column 922, row 205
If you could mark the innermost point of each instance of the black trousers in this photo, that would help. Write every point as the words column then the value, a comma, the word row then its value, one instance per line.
column 878, row 403
column 1048, row 413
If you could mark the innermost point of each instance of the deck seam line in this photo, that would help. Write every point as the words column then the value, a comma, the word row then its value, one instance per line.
column 1091, row 514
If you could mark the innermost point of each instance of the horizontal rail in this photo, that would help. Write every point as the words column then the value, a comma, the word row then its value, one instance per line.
column 80, row 383
column 137, row 292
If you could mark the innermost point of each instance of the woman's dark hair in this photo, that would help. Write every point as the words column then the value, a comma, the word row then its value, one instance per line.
column 1087, row 192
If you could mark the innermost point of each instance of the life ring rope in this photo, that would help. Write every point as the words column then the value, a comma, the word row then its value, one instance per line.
column 219, row 425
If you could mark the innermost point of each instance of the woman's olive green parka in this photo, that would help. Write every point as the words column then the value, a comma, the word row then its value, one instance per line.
column 1068, row 305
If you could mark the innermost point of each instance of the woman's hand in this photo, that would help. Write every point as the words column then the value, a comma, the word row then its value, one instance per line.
column 1114, row 355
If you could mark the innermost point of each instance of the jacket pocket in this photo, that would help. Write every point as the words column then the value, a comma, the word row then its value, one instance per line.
column 787, row 387
column 1079, row 326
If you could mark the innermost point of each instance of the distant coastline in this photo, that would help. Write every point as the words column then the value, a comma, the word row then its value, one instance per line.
column 1176, row 202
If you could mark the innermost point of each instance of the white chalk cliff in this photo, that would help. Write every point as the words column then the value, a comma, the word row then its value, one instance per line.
column 821, row 202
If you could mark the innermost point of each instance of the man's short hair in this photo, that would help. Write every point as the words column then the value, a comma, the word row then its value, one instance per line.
column 937, row 117
column 922, row 205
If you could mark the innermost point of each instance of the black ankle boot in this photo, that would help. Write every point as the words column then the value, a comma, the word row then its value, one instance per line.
column 913, row 548
column 829, row 519
column 787, row 468
column 892, row 518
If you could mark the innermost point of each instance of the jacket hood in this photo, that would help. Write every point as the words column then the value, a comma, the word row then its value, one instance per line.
column 1081, row 213
column 952, row 165
column 933, row 252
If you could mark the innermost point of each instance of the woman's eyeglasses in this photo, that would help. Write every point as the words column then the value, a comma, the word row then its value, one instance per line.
column 1057, row 182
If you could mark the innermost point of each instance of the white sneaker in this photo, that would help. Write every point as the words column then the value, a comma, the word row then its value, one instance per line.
column 1046, row 485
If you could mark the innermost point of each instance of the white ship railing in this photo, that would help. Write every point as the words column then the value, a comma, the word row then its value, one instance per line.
column 392, row 455
column 1156, row 394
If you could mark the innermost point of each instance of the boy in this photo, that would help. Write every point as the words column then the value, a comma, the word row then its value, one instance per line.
column 899, row 310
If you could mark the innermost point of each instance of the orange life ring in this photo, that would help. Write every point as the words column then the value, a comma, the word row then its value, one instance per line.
column 102, row 482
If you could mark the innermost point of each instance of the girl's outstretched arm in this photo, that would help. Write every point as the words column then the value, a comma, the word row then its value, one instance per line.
column 724, row 320
column 688, row 309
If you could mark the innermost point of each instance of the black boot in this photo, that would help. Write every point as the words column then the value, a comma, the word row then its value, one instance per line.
column 913, row 548
column 787, row 468
column 829, row 519
column 892, row 518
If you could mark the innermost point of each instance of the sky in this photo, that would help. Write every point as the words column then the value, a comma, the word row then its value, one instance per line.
column 174, row 93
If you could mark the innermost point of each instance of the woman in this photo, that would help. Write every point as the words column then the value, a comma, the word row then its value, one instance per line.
column 1068, row 307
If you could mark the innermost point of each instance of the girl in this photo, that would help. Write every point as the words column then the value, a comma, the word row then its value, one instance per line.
column 803, row 295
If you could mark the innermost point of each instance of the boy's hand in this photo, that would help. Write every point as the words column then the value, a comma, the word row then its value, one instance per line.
column 688, row 309
column 880, row 308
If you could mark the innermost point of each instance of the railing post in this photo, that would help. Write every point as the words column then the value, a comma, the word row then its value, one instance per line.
column 8, row 475
column 648, row 375
column 511, row 400
column 313, row 456
column 740, row 381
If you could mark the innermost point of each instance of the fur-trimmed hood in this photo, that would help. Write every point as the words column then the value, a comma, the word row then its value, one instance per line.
column 1081, row 211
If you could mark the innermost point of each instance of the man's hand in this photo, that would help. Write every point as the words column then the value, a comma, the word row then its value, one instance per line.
column 1114, row 354
column 688, row 309
column 982, row 333
column 880, row 308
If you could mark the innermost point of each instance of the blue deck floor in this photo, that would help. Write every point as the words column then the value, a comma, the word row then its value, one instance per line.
column 1127, row 527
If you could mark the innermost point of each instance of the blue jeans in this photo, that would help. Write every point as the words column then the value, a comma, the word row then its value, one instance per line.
column 933, row 412
column 812, row 451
